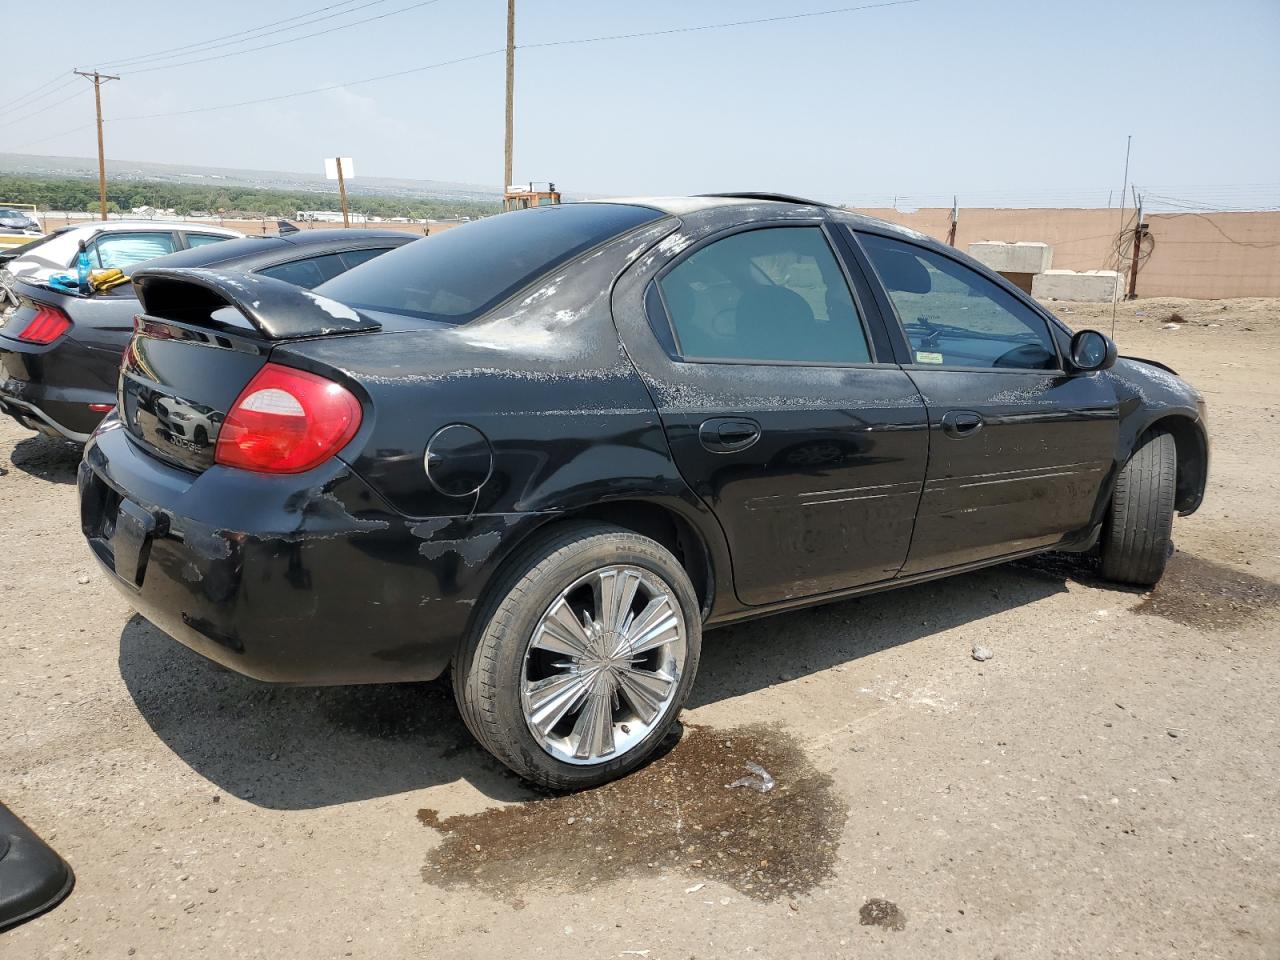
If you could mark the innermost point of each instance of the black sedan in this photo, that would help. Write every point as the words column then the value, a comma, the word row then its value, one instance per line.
column 60, row 352
column 547, row 449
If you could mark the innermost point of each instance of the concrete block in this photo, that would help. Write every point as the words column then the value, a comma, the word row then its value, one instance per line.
column 1092, row 285
column 1021, row 257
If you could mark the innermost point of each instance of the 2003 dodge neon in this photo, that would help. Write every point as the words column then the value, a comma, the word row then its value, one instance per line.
column 547, row 449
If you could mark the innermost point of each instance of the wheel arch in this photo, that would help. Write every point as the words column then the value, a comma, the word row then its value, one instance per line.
column 661, row 522
column 1192, row 446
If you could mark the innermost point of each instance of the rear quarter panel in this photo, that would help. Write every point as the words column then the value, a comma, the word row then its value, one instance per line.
column 543, row 378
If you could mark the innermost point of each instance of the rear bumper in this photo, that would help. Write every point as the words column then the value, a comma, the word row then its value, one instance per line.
column 33, row 417
column 50, row 388
column 307, row 579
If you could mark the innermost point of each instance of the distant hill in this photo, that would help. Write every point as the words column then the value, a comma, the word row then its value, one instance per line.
column 28, row 165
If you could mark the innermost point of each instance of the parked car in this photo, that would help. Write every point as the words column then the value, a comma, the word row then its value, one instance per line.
column 60, row 352
column 109, row 243
column 547, row 449
column 17, row 221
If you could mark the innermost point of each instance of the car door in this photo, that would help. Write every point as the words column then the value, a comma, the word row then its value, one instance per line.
column 1019, row 448
column 782, row 412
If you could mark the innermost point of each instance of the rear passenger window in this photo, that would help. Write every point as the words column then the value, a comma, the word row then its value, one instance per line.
column 307, row 273
column 203, row 239
column 124, row 250
column 775, row 294
column 353, row 258
column 953, row 316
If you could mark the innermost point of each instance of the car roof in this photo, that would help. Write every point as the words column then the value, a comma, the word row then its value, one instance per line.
column 677, row 206
column 97, row 225
column 338, row 234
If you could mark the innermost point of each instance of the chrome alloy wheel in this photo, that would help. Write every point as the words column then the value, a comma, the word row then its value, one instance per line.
column 603, row 664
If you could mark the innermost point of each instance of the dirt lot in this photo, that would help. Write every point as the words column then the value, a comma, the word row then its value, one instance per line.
column 1108, row 784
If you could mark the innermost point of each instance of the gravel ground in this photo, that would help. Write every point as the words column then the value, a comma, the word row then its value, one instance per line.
column 1107, row 783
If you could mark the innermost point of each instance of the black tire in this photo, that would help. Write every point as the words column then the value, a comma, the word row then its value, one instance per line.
column 488, row 669
column 1137, row 536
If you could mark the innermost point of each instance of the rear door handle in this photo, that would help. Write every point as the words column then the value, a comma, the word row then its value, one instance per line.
column 961, row 423
column 728, row 434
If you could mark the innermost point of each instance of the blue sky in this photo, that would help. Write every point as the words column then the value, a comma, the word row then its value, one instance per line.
column 990, row 99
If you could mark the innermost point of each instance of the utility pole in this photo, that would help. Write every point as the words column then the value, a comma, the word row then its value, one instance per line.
column 342, row 195
column 1138, row 232
column 511, row 85
column 955, row 219
column 339, row 168
column 98, row 79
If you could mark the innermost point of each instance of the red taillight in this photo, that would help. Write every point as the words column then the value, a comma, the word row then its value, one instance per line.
column 46, row 326
column 287, row 421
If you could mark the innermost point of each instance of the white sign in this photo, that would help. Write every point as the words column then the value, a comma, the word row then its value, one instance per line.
column 331, row 168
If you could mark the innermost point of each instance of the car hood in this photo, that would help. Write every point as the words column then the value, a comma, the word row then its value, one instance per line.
column 1150, row 363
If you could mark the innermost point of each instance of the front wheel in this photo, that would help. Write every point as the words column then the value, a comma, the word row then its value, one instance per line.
column 581, row 658
column 1137, row 536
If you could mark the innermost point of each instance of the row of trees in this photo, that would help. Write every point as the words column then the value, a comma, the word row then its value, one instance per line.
column 60, row 193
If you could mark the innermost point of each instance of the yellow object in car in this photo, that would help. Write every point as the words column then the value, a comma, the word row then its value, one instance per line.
column 102, row 280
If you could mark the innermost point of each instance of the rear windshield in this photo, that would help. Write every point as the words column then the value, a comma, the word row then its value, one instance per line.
column 467, row 270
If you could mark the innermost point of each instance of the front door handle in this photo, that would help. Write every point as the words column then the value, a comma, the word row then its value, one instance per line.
column 959, row 424
column 728, row 434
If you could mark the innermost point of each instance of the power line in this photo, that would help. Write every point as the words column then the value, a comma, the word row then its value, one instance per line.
column 303, row 93
column 48, row 83
column 52, row 136
column 502, row 50
column 717, row 26
column 18, row 102
column 281, row 43
column 44, row 109
column 243, row 35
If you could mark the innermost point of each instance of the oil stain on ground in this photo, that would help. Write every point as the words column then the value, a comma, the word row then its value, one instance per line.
column 678, row 813
column 1193, row 591
column 1200, row 593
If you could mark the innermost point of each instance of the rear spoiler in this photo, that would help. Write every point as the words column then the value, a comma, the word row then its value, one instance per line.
column 275, row 309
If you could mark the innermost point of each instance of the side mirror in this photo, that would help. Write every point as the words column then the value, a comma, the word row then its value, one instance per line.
column 1092, row 351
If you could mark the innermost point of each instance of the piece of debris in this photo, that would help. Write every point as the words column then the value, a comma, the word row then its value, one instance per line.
column 882, row 913
column 1170, row 326
column 83, row 578
column 1173, row 733
column 759, row 780
column 982, row 653
column 695, row 888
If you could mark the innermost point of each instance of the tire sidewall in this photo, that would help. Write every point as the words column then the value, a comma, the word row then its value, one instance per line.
column 509, row 641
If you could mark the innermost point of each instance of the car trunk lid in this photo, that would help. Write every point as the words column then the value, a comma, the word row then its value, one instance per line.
column 201, row 337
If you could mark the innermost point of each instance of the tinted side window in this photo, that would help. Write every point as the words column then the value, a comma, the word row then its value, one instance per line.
column 307, row 273
column 465, row 271
column 353, row 258
column 955, row 317
column 775, row 294
column 125, row 250
column 201, row 239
